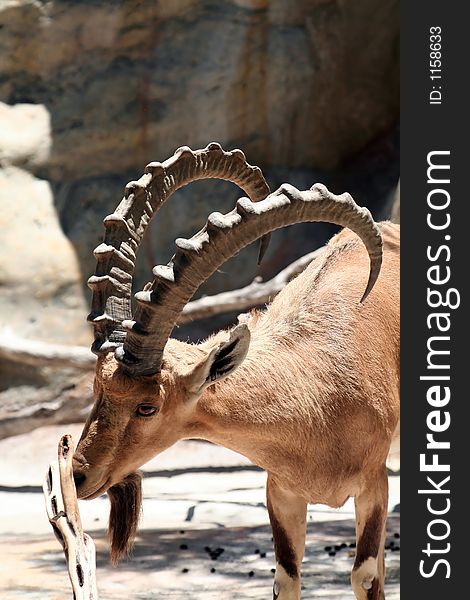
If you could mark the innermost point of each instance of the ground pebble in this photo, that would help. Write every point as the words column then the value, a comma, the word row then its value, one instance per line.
column 262, row 554
column 251, row 573
column 332, row 553
column 328, row 548
column 183, row 547
column 184, row 570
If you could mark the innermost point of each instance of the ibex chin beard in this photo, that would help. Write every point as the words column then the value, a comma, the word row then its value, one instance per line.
column 126, row 508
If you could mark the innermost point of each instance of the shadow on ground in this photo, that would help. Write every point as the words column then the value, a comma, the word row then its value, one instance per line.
column 227, row 562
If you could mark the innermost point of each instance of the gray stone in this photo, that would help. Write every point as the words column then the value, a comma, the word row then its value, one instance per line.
column 128, row 82
column 40, row 280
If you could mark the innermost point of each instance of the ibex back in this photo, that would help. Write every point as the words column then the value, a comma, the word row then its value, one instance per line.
column 307, row 389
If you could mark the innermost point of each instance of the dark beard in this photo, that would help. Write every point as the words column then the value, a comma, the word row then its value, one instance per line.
column 126, row 508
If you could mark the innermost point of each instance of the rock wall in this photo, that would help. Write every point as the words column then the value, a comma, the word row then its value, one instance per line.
column 307, row 88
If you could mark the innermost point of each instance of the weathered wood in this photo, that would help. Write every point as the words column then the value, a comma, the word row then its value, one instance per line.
column 256, row 293
column 68, row 401
column 65, row 401
column 64, row 516
column 42, row 354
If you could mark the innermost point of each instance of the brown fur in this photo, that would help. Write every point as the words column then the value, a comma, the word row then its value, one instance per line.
column 369, row 542
column 126, row 508
column 285, row 554
column 315, row 401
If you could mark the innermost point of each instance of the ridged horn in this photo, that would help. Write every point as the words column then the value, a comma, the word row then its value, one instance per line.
column 115, row 257
column 196, row 259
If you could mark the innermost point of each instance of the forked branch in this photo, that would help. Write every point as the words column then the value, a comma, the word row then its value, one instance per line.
column 64, row 516
column 256, row 293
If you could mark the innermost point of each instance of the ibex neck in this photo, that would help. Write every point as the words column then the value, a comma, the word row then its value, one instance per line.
column 256, row 407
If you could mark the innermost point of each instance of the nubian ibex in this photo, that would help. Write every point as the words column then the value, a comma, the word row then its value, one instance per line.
column 307, row 389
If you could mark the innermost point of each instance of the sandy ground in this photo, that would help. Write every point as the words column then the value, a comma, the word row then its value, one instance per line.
column 198, row 498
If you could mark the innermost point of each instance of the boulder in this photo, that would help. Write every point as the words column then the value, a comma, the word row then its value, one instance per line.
column 40, row 280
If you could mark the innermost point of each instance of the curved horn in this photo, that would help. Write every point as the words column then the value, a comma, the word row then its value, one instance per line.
column 112, row 281
column 223, row 236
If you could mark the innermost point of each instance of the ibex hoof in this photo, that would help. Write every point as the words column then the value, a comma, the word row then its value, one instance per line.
column 367, row 584
column 276, row 590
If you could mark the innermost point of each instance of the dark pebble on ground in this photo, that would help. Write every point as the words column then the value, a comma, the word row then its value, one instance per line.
column 184, row 570
column 262, row 555
column 327, row 548
column 183, row 547
column 251, row 573
column 332, row 553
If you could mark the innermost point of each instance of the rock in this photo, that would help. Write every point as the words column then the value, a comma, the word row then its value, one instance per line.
column 26, row 135
column 40, row 280
column 289, row 82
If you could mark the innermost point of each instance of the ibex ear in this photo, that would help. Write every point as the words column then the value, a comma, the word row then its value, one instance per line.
column 221, row 361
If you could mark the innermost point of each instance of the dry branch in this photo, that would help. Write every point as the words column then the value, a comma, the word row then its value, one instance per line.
column 65, row 400
column 44, row 354
column 64, row 516
column 256, row 293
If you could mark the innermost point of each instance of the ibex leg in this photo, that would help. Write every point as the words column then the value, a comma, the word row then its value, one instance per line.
column 368, row 573
column 287, row 513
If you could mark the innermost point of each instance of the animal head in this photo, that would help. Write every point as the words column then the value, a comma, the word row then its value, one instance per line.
column 135, row 418
column 147, row 386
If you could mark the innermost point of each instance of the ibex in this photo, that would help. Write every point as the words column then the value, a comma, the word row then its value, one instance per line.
column 307, row 389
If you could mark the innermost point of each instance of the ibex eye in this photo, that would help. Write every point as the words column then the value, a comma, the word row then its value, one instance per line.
column 145, row 410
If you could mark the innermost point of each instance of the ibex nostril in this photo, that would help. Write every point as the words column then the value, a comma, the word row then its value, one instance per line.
column 79, row 478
